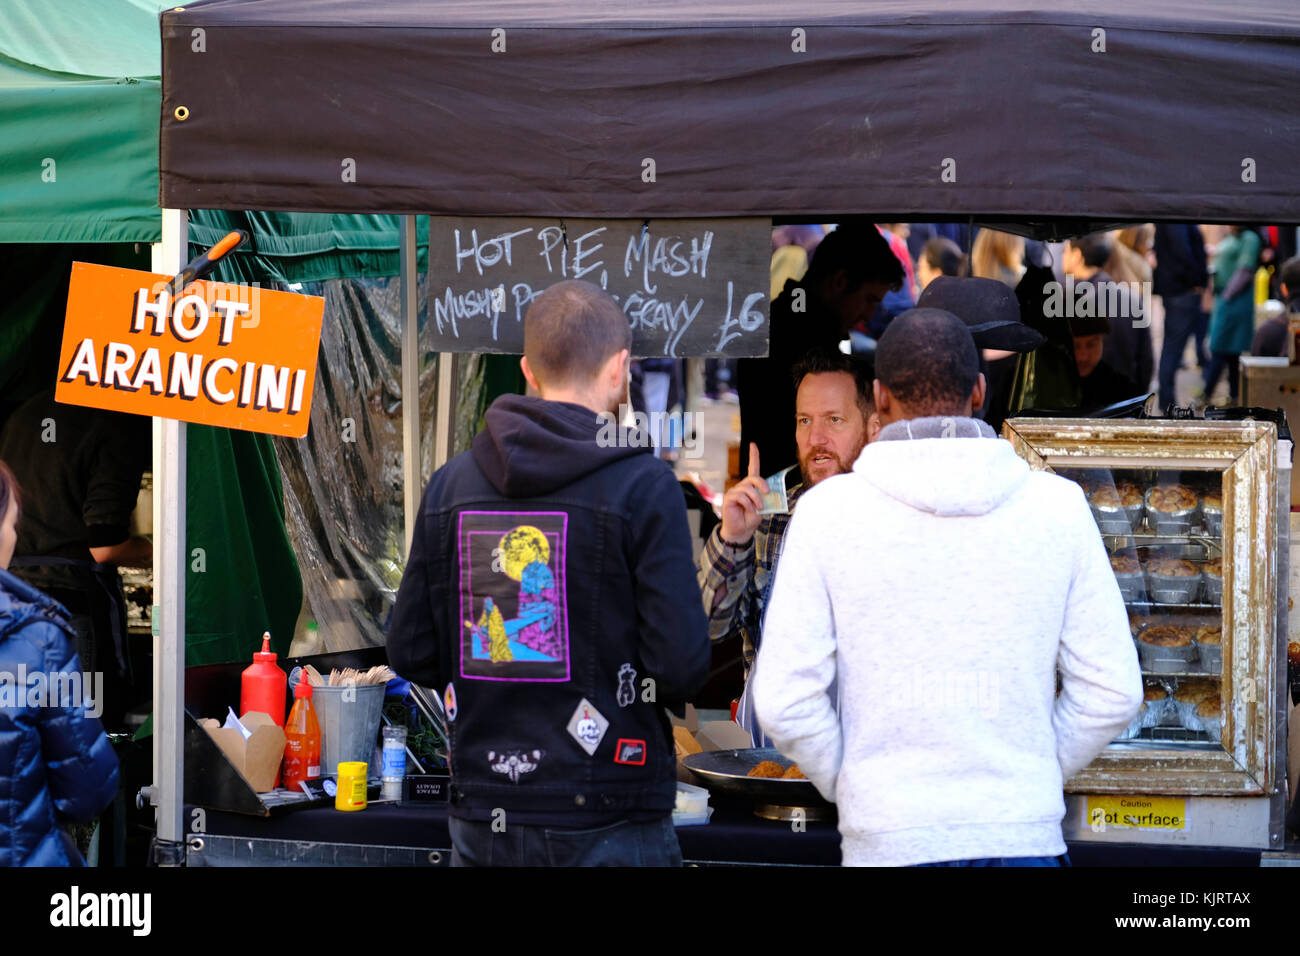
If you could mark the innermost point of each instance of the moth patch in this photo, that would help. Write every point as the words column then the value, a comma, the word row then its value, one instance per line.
column 587, row 726
column 515, row 763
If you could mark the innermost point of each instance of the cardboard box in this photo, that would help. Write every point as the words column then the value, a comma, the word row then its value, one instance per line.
column 258, row 758
column 723, row 735
column 684, row 743
column 691, row 721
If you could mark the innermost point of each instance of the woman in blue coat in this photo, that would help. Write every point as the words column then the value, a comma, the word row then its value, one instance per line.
column 1232, row 326
column 56, row 764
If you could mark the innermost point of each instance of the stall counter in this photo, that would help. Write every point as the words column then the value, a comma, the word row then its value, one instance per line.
column 416, row 835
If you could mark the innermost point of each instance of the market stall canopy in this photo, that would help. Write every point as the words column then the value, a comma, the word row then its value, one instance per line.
column 937, row 109
column 79, row 93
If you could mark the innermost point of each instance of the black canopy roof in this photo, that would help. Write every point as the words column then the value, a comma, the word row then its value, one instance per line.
column 937, row 109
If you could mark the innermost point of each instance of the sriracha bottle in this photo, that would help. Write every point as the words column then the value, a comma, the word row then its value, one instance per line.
column 263, row 685
column 301, row 739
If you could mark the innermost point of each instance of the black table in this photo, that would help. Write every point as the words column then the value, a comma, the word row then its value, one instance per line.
column 416, row 834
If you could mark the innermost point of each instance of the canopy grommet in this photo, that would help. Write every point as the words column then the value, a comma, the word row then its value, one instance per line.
column 182, row 113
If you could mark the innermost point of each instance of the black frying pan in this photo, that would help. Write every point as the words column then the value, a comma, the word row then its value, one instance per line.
column 727, row 772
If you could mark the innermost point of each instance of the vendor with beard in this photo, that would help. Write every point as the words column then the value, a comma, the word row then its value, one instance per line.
column 834, row 420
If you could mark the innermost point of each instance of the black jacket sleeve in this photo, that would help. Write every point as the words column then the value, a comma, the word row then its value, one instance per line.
column 414, row 634
column 674, row 638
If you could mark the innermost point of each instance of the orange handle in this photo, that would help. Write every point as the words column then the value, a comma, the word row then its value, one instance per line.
column 228, row 242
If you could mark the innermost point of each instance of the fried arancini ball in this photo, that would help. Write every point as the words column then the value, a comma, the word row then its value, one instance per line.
column 767, row 768
column 794, row 773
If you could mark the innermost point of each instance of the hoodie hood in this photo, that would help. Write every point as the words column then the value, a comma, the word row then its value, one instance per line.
column 532, row 446
column 20, row 603
column 946, row 476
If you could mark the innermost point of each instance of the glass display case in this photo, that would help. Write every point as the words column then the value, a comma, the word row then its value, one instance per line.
column 1195, row 522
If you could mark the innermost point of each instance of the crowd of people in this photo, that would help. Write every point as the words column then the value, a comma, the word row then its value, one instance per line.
column 1157, row 289
column 1137, row 299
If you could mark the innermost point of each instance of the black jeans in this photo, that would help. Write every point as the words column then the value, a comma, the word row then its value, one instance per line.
column 1218, row 362
column 476, row 843
column 1182, row 313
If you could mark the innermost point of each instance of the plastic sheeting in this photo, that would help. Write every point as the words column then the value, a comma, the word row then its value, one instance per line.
column 344, row 480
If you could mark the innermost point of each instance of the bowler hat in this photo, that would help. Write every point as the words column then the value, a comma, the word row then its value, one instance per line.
column 988, row 307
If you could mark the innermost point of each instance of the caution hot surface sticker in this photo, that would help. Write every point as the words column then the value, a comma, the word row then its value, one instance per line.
column 234, row 356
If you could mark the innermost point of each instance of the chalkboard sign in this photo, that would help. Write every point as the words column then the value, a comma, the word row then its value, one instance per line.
column 689, row 287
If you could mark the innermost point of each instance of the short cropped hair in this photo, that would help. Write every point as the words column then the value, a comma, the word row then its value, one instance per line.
column 928, row 360
column 1095, row 247
column 862, row 252
column 570, row 331
column 823, row 361
column 1289, row 275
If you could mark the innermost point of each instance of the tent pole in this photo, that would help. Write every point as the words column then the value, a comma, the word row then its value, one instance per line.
column 408, row 251
column 443, row 417
column 167, row 794
column 444, row 410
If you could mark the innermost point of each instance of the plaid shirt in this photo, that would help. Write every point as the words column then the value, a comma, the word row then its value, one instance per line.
column 735, row 580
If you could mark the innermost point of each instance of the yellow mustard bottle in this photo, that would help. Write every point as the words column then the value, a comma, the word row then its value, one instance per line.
column 351, row 793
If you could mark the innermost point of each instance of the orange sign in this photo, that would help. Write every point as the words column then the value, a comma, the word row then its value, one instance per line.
column 235, row 356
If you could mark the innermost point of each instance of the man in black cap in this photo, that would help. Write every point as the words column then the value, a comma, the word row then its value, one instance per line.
column 1101, row 384
column 1128, row 344
column 992, row 314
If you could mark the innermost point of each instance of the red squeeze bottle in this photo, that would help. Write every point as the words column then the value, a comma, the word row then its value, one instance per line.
column 302, row 739
column 263, row 685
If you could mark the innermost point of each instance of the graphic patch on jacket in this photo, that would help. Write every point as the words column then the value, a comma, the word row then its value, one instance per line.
column 513, row 612
column 587, row 726
column 626, row 685
column 515, row 763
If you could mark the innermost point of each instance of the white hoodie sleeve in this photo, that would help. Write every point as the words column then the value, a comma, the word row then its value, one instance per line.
column 1100, row 676
column 796, row 662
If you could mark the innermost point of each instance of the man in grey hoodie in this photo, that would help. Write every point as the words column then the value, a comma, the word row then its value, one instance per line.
column 987, row 580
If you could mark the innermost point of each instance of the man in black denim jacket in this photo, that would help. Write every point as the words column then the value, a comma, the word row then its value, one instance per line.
column 550, row 595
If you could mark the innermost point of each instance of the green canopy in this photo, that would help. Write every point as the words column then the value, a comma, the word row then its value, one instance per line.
column 306, row 246
column 80, row 97
column 242, row 577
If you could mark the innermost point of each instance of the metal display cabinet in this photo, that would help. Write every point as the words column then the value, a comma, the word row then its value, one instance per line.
column 1195, row 517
